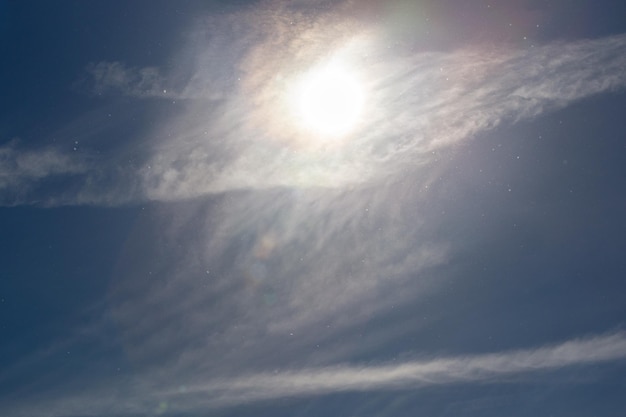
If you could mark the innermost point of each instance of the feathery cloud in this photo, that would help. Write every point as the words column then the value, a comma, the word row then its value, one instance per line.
column 237, row 132
column 143, row 394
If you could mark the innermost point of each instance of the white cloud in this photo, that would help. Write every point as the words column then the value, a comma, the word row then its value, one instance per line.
column 237, row 133
column 22, row 170
column 412, row 375
column 117, row 78
column 144, row 393
column 305, row 259
column 418, row 103
column 281, row 263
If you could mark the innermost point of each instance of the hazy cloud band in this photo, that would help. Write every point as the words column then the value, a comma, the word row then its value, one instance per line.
column 411, row 375
column 143, row 394
column 417, row 103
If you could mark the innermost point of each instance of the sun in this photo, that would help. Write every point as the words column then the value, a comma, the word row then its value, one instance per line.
column 329, row 100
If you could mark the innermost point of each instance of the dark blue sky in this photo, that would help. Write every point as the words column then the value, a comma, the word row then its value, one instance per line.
column 184, row 231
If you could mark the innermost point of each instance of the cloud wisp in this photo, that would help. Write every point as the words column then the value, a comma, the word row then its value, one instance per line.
column 23, row 172
column 264, row 290
column 279, row 263
column 412, row 375
column 417, row 104
column 116, row 78
column 233, row 128
column 143, row 394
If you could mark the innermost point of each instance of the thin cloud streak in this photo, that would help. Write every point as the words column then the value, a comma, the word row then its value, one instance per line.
column 23, row 171
column 116, row 78
column 143, row 393
column 416, row 374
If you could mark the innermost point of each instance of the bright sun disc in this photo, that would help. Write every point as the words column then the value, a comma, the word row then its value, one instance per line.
column 329, row 101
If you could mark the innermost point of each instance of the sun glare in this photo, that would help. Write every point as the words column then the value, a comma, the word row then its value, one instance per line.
column 329, row 101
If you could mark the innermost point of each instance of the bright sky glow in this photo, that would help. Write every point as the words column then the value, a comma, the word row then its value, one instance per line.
column 329, row 100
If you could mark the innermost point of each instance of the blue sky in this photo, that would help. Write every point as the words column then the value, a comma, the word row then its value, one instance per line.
column 180, row 235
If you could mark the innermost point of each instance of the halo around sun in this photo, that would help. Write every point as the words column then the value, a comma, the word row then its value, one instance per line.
column 328, row 101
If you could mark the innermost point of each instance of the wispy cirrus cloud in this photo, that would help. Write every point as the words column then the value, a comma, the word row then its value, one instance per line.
column 117, row 78
column 148, row 393
column 492, row 367
column 239, row 132
column 257, row 278
column 417, row 104
column 282, row 263
column 23, row 171
column 310, row 241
